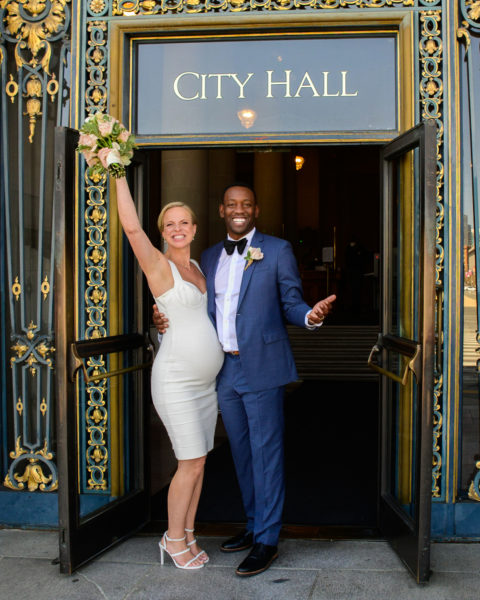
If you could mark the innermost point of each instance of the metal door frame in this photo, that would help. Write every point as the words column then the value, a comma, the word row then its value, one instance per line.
column 410, row 537
column 80, row 540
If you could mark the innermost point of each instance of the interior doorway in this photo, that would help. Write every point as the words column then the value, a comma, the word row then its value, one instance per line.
column 329, row 210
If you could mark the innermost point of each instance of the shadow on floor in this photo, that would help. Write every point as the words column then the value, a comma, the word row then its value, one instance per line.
column 331, row 450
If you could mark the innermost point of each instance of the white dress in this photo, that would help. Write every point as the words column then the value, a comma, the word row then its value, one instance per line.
column 185, row 369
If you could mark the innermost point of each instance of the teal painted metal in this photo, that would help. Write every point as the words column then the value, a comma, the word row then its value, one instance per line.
column 3, row 295
column 94, row 290
column 30, row 36
column 90, row 38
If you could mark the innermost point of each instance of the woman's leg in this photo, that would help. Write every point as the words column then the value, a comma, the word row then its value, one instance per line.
column 180, row 493
column 190, row 520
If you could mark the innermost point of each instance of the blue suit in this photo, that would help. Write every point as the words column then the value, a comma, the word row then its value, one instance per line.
column 250, row 386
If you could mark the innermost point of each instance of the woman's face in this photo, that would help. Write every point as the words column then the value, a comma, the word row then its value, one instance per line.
column 178, row 229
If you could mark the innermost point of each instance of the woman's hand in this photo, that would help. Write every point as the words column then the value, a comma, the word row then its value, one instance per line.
column 108, row 156
column 159, row 320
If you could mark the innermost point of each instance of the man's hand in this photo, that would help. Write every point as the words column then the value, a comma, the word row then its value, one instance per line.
column 321, row 310
column 159, row 320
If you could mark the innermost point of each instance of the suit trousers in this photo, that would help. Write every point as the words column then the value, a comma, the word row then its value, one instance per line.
column 254, row 422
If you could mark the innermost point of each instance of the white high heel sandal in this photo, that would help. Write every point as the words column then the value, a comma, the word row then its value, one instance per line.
column 206, row 559
column 163, row 548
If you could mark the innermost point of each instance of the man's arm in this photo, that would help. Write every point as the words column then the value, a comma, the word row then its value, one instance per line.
column 295, row 309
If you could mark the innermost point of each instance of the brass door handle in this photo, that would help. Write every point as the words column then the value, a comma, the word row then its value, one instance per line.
column 407, row 348
column 76, row 356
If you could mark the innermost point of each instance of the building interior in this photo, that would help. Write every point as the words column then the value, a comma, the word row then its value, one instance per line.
column 328, row 207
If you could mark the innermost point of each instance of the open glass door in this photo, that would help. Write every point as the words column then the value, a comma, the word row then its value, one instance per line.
column 100, row 390
column 404, row 352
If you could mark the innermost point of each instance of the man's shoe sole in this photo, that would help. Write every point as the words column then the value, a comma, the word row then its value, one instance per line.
column 236, row 549
column 250, row 573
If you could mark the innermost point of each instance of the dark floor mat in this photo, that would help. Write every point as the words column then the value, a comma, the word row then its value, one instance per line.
column 331, row 450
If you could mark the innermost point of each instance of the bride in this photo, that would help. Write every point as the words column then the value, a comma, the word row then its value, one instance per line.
column 186, row 366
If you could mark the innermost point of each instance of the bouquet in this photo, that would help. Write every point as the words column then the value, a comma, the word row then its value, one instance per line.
column 103, row 131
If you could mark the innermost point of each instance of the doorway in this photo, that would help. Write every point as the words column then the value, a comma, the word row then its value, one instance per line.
column 329, row 210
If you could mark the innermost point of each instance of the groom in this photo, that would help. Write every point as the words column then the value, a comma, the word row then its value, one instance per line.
column 253, row 287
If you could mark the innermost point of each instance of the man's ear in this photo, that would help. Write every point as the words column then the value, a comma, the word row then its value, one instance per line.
column 257, row 210
column 221, row 211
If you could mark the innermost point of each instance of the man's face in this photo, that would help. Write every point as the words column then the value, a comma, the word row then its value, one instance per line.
column 239, row 211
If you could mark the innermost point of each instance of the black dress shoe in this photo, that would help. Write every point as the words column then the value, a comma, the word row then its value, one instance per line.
column 241, row 541
column 259, row 559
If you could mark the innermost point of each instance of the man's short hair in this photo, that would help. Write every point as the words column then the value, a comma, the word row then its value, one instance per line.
column 243, row 184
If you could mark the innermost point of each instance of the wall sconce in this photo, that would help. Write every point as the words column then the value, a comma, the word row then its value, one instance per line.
column 299, row 160
column 247, row 117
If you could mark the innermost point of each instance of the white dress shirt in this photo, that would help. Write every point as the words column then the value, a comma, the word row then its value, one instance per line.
column 228, row 280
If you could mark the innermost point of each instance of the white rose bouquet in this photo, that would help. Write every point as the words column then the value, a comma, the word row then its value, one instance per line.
column 103, row 131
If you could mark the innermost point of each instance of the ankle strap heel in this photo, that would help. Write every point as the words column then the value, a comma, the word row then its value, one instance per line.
column 202, row 555
column 163, row 548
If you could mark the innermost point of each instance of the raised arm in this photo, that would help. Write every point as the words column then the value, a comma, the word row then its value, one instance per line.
column 152, row 262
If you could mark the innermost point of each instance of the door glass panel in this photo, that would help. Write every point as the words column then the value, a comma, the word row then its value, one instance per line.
column 110, row 455
column 470, row 472
column 407, row 345
column 101, row 384
column 110, row 465
column 403, row 317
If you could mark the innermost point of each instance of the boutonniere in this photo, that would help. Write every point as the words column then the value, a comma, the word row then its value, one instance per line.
column 253, row 254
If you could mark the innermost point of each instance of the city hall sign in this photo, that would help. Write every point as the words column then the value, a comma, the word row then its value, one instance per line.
column 265, row 88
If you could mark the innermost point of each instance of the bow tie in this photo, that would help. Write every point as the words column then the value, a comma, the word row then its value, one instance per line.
column 230, row 245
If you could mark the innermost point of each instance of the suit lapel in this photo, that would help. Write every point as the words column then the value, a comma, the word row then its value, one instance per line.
column 247, row 275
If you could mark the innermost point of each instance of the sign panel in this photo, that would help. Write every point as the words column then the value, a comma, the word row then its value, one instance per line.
column 266, row 86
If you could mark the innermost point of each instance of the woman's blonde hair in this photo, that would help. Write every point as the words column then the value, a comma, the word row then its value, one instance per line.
column 161, row 216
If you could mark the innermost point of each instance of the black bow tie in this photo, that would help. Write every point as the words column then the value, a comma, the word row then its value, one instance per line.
column 230, row 245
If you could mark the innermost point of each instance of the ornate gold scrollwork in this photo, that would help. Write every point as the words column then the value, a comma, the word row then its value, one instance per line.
column 97, row 6
column 31, row 330
column 18, row 449
column 463, row 32
column 16, row 289
column 20, row 349
column 31, row 361
column 52, row 87
column 45, row 452
column 32, row 23
column 19, row 406
column 33, row 476
column 148, row 7
column 474, row 10
column 45, row 288
column 431, row 98
column 11, row 89
column 43, row 407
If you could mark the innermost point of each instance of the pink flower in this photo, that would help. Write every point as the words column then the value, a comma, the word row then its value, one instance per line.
column 253, row 254
column 91, row 158
column 123, row 135
column 105, row 127
column 88, row 139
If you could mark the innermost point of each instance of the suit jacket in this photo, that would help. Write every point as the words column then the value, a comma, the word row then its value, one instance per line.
column 270, row 295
